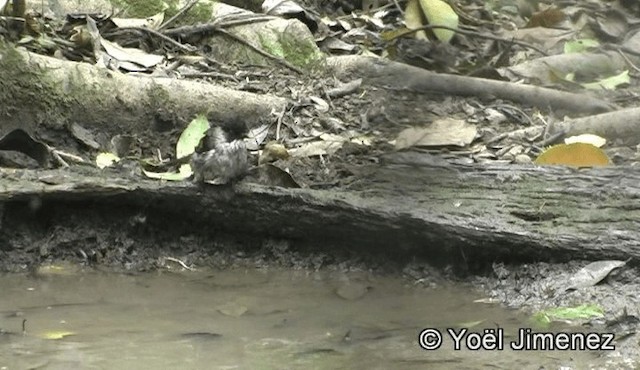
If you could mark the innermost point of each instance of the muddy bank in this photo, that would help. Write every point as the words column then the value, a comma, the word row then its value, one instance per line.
column 139, row 235
column 111, row 237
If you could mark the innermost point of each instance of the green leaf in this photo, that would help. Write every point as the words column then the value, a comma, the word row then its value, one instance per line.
column 579, row 46
column 185, row 170
column 191, row 136
column 106, row 160
column 586, row 311
column 609, row 83
column 187, row 143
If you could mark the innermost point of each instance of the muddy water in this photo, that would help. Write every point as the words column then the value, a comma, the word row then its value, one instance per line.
column 247, row 319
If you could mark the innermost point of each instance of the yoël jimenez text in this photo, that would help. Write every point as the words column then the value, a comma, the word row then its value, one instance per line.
column 528, row 340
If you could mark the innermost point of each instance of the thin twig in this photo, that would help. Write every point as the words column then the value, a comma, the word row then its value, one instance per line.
column 279, row 122
column 208, row 28
column 219, row 25
column 69, row 156
column 472, row 33
column 168, row 39
column 179, row 14
column 395, row 2
column 553, row 138
column 209, row 74
column 327, row 96
column 184, row 265
column 281, row 61
column 629, row 62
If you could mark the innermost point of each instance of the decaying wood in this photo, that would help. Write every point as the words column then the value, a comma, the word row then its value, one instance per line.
column 618, row 126
column 406, row 205
column 65, row 89
column 402, row 77
column 68, row 89
column 49, row 91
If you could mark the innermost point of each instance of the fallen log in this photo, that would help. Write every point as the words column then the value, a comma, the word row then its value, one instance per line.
column 405, row 206
column 39, row 92
column 405, row 78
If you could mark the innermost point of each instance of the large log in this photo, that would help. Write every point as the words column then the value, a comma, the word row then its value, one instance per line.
column 404, row 206
column 39, row 93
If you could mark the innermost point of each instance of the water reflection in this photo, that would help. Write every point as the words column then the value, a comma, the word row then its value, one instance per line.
column 244, row 319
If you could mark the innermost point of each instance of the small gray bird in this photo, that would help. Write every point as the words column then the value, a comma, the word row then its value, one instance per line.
column 222, row 158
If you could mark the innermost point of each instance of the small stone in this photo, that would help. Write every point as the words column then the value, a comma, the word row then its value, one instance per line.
column 352, row 291
column 522, row 159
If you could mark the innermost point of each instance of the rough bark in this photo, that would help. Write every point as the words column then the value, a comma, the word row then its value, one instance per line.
column 37, row 91
column 448, row 212
column 401, row 77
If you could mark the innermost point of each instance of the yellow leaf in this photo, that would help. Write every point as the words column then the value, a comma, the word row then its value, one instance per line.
column 439, row 13
column 574, row 155
column 413, row 19
column 169, row 176
column 56, row 334
column 58, row 270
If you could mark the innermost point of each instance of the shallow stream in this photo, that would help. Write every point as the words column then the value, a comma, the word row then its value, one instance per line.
column 248, row 319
